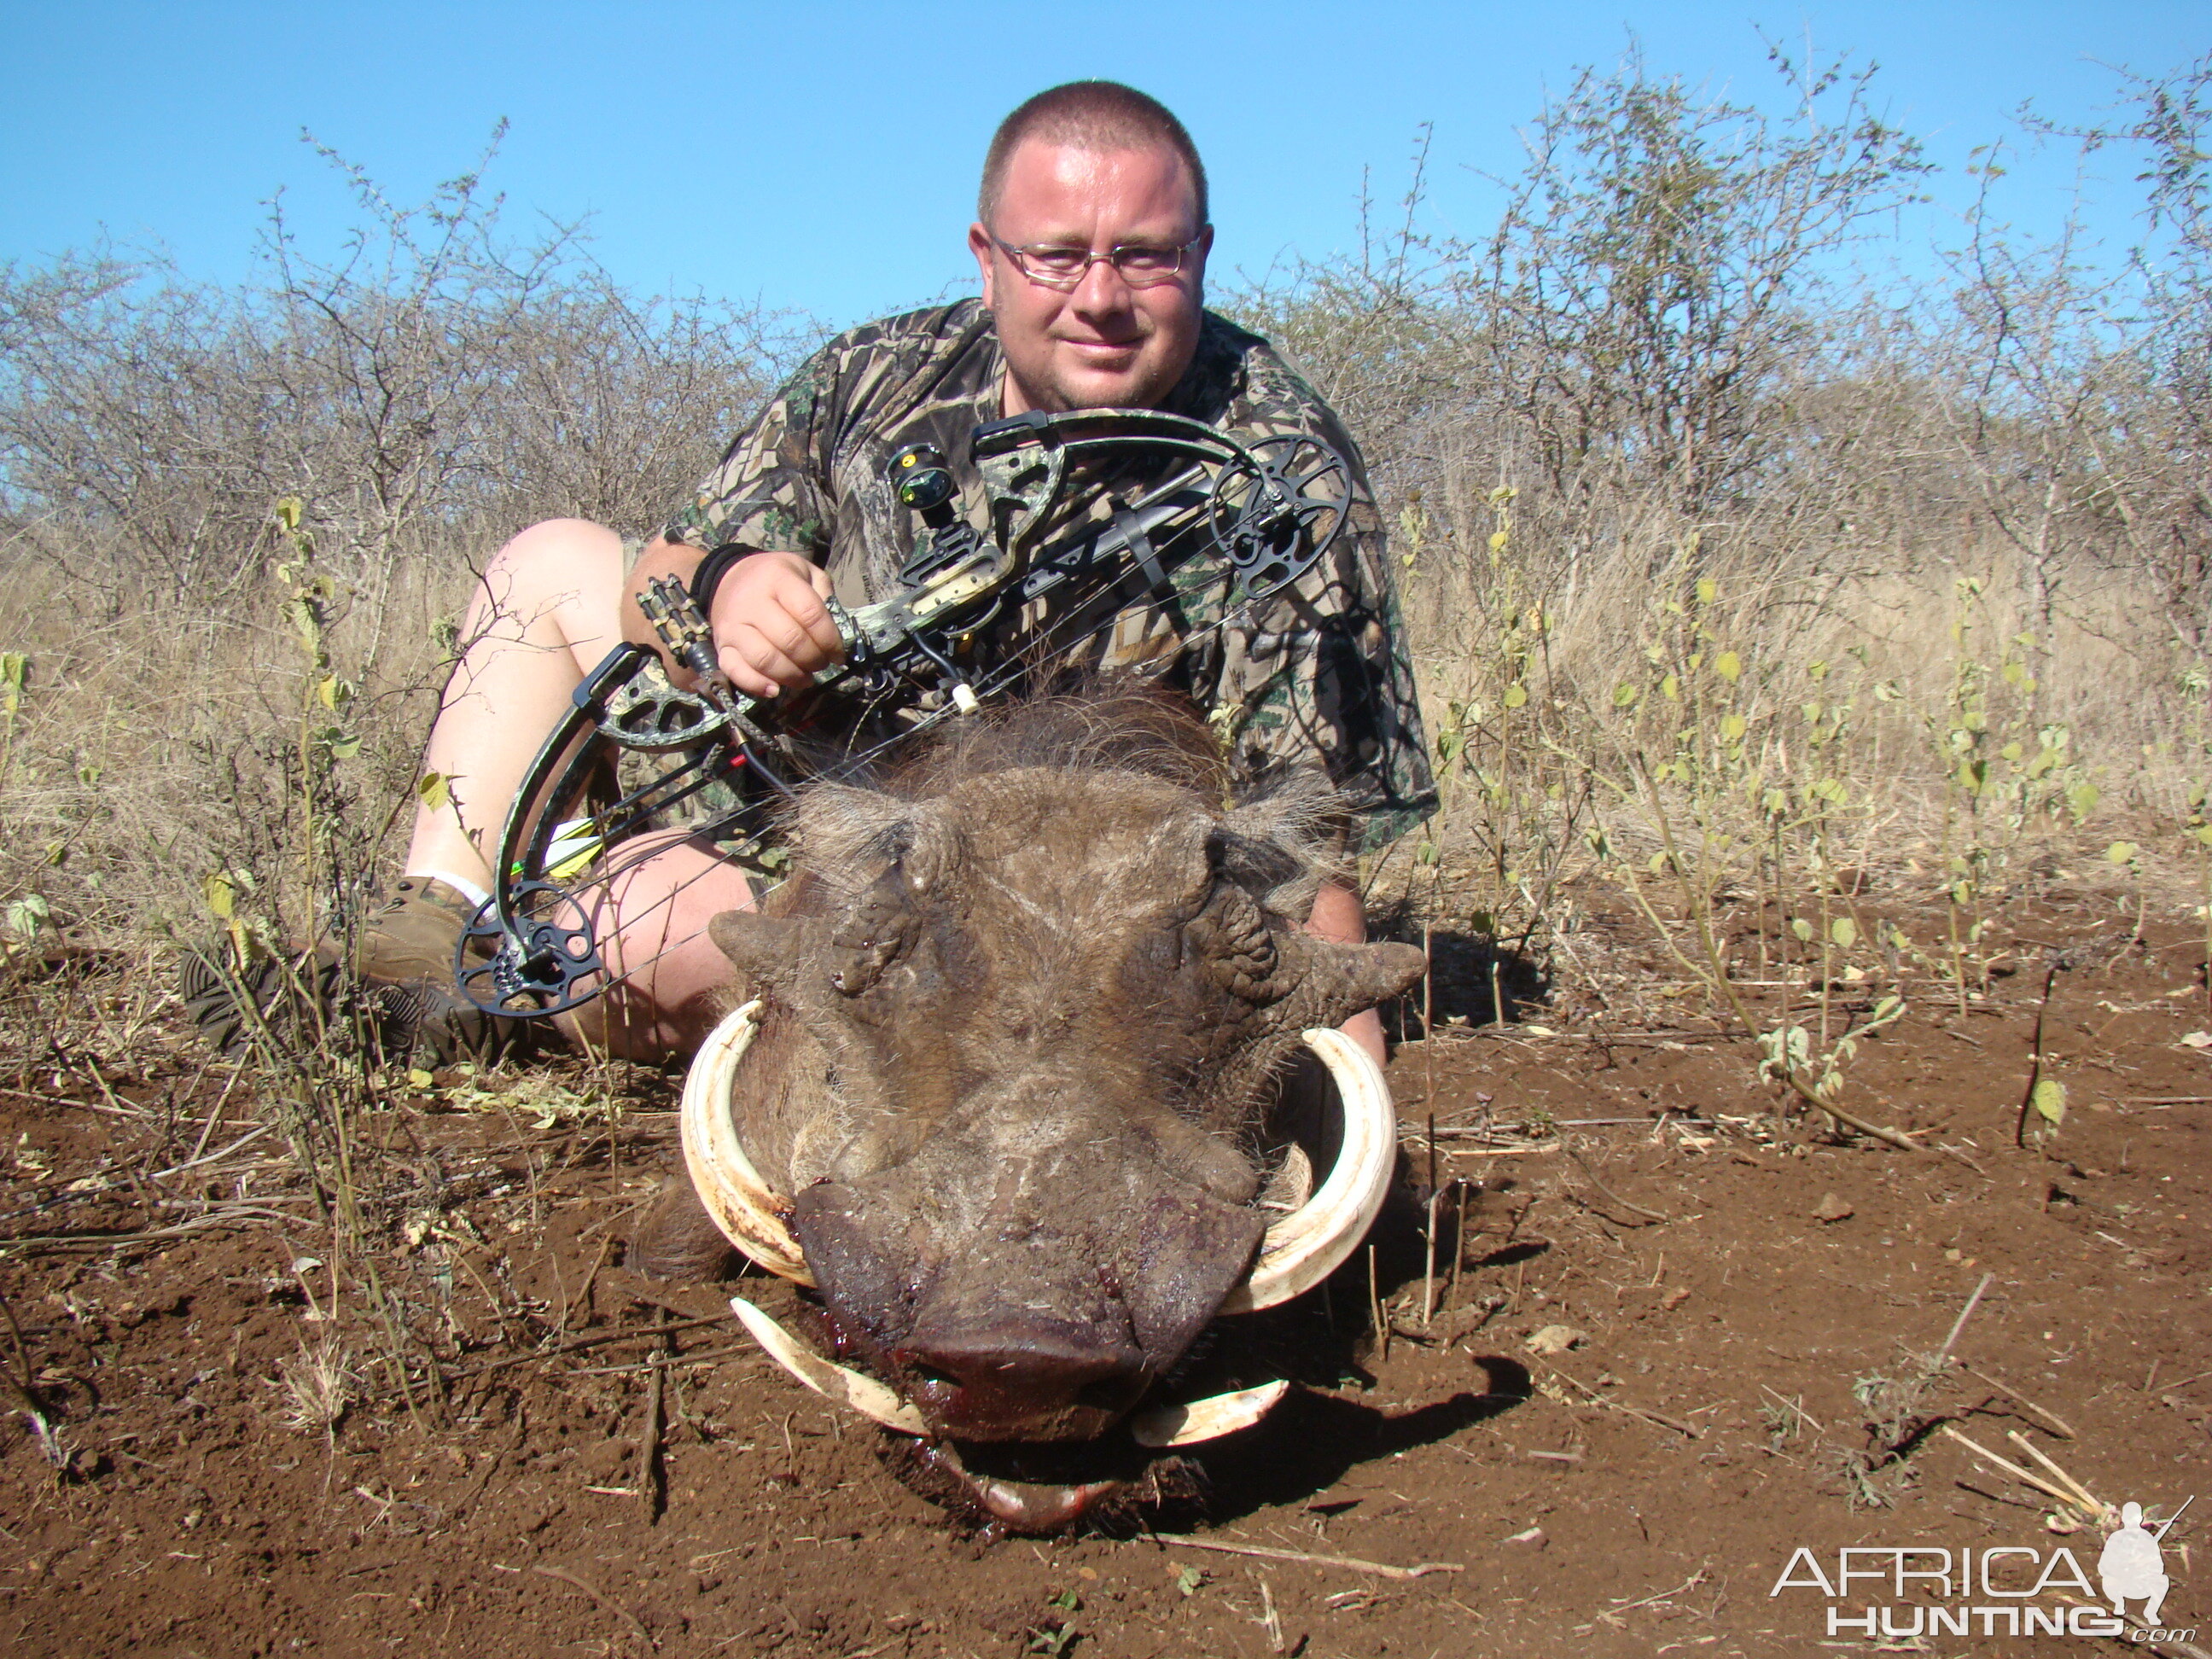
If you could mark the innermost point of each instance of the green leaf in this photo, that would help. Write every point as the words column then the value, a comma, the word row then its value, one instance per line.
column 2121, row 851
column 1729, row 666
column 1732, row 727
column 1845, row 932
column 2082, row 797
column 1188, row 1580
column 432, row 790
column 221, row 895
column 1708, row 590
column 1517, row 696
column 2049, row 1099
column 23, row 917
column 345, row 745
column 1624, row 696
column 1671, row 689
column 1801, row 928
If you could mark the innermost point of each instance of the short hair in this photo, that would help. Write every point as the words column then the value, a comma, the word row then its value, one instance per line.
column 1093, row 115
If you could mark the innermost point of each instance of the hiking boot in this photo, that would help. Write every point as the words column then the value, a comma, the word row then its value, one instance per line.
column 399, row 985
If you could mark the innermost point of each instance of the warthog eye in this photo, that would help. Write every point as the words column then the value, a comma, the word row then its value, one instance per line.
column 1233, row 944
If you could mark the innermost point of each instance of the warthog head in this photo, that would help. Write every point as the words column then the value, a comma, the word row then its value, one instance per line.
column 1018, row 1022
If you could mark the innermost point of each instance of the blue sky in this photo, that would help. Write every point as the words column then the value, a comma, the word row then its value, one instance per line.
column 823, row 157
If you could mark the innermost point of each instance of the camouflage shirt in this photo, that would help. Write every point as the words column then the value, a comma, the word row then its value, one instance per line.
column 1315, row 674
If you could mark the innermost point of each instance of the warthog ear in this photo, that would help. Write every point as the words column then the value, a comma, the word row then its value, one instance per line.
column 1277, row 843
column 758, row 946
column 849, row 834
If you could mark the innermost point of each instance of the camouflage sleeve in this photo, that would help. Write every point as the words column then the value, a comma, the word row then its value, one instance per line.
column 771, row 487
column 1324, row 675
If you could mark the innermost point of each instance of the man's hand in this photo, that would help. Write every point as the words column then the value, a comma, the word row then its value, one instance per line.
column 771, row 629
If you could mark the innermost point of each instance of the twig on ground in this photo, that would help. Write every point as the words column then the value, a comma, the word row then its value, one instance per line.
column 2020, row 1473
column 661, row 1362
column 1688, row 1431
column 1943, row 1353
column 1650, row 1217
column 237, row 1215
column 492, row 1462
column 639, row 1335
column 1375, row 1305
column 2057, row 1474
column 2058, row 962
column 652, row 1475
column 1690, row 1583
column 2052, row 1418
column 613, row 1606
column 1895, row 1137
column 1265, row 1553
column 1530, row 1149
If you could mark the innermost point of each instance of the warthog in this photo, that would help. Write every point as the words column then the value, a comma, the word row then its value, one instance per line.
column 1001, row 1090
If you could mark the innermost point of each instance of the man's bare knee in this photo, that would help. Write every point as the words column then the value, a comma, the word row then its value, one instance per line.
column 557, row 555
column 558, row 582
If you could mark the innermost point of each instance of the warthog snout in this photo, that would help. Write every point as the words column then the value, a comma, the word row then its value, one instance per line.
column 1036, row 1306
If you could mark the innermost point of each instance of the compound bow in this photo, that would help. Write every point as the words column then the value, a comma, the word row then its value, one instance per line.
column 1268, row 511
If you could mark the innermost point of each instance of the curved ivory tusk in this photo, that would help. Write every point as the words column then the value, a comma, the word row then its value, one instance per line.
column 742, row 1206
column 1308, row 1245
column 1205, row 1420
column 847, row 1388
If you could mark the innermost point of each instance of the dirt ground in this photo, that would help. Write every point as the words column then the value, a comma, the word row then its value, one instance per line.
column 1755, row 1316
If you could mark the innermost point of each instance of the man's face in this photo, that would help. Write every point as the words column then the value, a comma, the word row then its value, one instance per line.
column 1105, row 343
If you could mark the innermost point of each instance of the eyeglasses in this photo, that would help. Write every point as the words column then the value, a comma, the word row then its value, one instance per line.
column 1065, row 268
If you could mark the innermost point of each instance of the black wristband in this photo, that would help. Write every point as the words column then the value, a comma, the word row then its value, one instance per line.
column 711, row 568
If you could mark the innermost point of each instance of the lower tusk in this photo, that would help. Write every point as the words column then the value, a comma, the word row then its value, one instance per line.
column 847, row 1388
column 750, row 1215
column 1205, row 1420
column 1307, row 1246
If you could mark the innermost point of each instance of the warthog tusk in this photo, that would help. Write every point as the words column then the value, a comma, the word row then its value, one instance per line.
column 863, row 1394
column 1205, row 1420
column 1308, row 1245
column 750, row 1213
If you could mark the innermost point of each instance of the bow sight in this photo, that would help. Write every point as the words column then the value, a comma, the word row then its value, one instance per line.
column 634, row 753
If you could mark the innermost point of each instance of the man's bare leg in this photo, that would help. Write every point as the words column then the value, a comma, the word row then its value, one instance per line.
column 543, row 616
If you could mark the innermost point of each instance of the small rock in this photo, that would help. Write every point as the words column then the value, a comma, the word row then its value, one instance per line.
column 1557, row 1338
column 1832, row 1209
column 1676, row 1297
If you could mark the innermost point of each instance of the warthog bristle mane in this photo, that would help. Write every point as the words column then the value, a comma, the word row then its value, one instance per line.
column 1282, row 829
